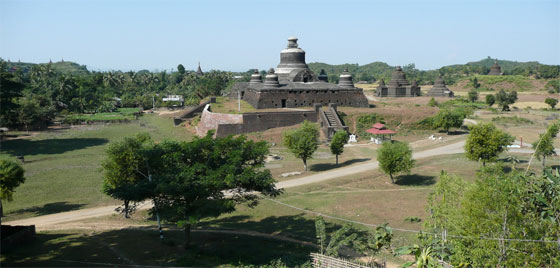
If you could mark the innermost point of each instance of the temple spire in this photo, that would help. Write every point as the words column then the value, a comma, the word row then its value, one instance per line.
column 199, row 70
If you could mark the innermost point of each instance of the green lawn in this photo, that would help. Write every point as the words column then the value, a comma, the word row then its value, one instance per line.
column 62, row 167
column 122, row 114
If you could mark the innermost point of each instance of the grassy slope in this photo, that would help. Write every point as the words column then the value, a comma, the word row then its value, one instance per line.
column 63, row 167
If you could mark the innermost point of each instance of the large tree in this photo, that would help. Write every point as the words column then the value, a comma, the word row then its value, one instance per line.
column 303, row 142
column 10, row 90
column 207, row 177
column 127, row 171
column 394, row 158
column 11, row 176
column 494, row 221
column 505, row 99
column 485, row 142
column 446, row 119
column 337, row 143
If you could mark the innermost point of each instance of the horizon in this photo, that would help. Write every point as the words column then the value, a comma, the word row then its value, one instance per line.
column 247, row 34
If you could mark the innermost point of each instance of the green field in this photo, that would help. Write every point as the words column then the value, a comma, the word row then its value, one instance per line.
column 122, row 114
column 62, row 167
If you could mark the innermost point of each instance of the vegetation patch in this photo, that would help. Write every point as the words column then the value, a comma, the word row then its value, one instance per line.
column 513, row 120
column 120, row 115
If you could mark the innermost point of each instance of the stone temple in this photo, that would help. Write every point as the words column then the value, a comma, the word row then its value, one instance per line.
column 439, row 89
column 398, row 86
column 293, row 85
column 495, row 69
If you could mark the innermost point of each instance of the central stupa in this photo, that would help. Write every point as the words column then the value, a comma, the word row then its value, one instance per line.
column 293, row 84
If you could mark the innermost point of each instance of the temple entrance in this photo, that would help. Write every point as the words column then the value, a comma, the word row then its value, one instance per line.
column 283, row 103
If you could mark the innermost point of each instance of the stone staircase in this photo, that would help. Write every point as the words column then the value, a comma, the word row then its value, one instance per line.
column 330, row 121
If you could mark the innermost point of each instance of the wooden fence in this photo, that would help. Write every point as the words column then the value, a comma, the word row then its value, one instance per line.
column 322, row 261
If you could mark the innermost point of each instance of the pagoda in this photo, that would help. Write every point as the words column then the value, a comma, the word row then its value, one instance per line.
column 398, row 86
column 440, row 89
column 495, row 69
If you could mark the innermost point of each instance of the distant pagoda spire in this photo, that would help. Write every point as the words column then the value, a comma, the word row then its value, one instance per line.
column 199, row 70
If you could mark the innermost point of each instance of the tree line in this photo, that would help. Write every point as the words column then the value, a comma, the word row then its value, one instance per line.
column 37, row 96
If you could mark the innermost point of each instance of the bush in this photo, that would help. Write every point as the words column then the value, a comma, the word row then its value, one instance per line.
column 432, row 103
column 551, row 101
column 364, row 122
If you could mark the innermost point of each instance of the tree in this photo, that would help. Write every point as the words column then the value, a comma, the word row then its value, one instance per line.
column 126, row 170
column 490, row 100
column 10, row 90
column 474, row 82
column 11, row 176
column 473, row 95
column 446, row 119
column 485, row 142
column 303, row 142
column 181, row 69
column 487, row 220
column 207, row 177
column 394, row 158
column 337, row 143
column 544, row 146
column 552, row 102
column 505, row 99
column 345, row 236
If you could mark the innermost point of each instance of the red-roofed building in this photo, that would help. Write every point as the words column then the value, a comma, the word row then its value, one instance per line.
column 379, row 131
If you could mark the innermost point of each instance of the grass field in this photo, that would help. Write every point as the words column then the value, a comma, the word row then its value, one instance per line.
column 122, row 114
column 62, row 167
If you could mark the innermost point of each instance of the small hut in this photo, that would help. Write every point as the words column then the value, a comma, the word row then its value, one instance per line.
column 380, row 133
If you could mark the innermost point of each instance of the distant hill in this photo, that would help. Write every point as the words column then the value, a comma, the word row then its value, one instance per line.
column 451, row 73
column 64, row 67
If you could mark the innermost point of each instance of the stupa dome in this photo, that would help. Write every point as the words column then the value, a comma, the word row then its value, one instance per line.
column 271, row 79
column 291, row 58
column 346, row 79
column 256, row 77
column 323, row 76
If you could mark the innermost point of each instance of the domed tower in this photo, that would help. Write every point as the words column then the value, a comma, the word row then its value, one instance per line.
column 291, row 58
column 346, row 80
column 495, row 69
column 323, row 76
column 271, row 80
column 256, row 78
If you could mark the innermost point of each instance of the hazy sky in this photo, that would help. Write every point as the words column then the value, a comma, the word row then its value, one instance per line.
column 239, row 35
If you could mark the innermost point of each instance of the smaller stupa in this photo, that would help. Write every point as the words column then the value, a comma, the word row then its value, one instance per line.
column 495, row 69
column 440, row 89
column 398, row 86
column 346, row 80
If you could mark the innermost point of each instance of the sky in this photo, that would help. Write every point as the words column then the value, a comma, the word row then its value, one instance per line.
column 241, row 35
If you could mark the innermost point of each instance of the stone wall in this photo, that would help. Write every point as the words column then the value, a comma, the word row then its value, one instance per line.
column 253, row 122
column 210, row 120
column 233, row 124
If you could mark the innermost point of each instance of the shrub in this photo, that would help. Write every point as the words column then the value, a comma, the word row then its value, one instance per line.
column 432, row 103
column 364, row 122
